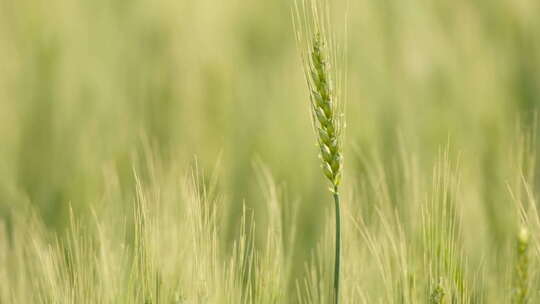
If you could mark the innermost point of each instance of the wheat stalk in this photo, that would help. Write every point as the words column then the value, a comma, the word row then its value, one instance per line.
column 319, row 55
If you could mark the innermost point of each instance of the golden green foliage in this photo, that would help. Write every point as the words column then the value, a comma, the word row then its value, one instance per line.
column 103, row 105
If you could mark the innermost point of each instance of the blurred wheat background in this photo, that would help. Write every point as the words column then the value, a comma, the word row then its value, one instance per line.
column 193, row 116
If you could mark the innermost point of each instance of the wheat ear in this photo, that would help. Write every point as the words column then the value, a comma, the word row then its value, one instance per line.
column 522, row 267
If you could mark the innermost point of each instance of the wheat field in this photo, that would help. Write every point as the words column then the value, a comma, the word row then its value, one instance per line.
column 163, row 152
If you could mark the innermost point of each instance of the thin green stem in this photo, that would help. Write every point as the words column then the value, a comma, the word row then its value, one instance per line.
column 338, row 247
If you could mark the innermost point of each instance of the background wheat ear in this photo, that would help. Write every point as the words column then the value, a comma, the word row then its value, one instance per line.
column 319, row 54
column 521, row 288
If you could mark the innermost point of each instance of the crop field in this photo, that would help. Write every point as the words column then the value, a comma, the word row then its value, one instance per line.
column 269, row 152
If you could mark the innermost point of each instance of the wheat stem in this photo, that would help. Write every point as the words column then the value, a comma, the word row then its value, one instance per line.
column 338, row 246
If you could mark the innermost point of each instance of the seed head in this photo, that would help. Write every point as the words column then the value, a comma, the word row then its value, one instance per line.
column 325, row 119
column 323, row 74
